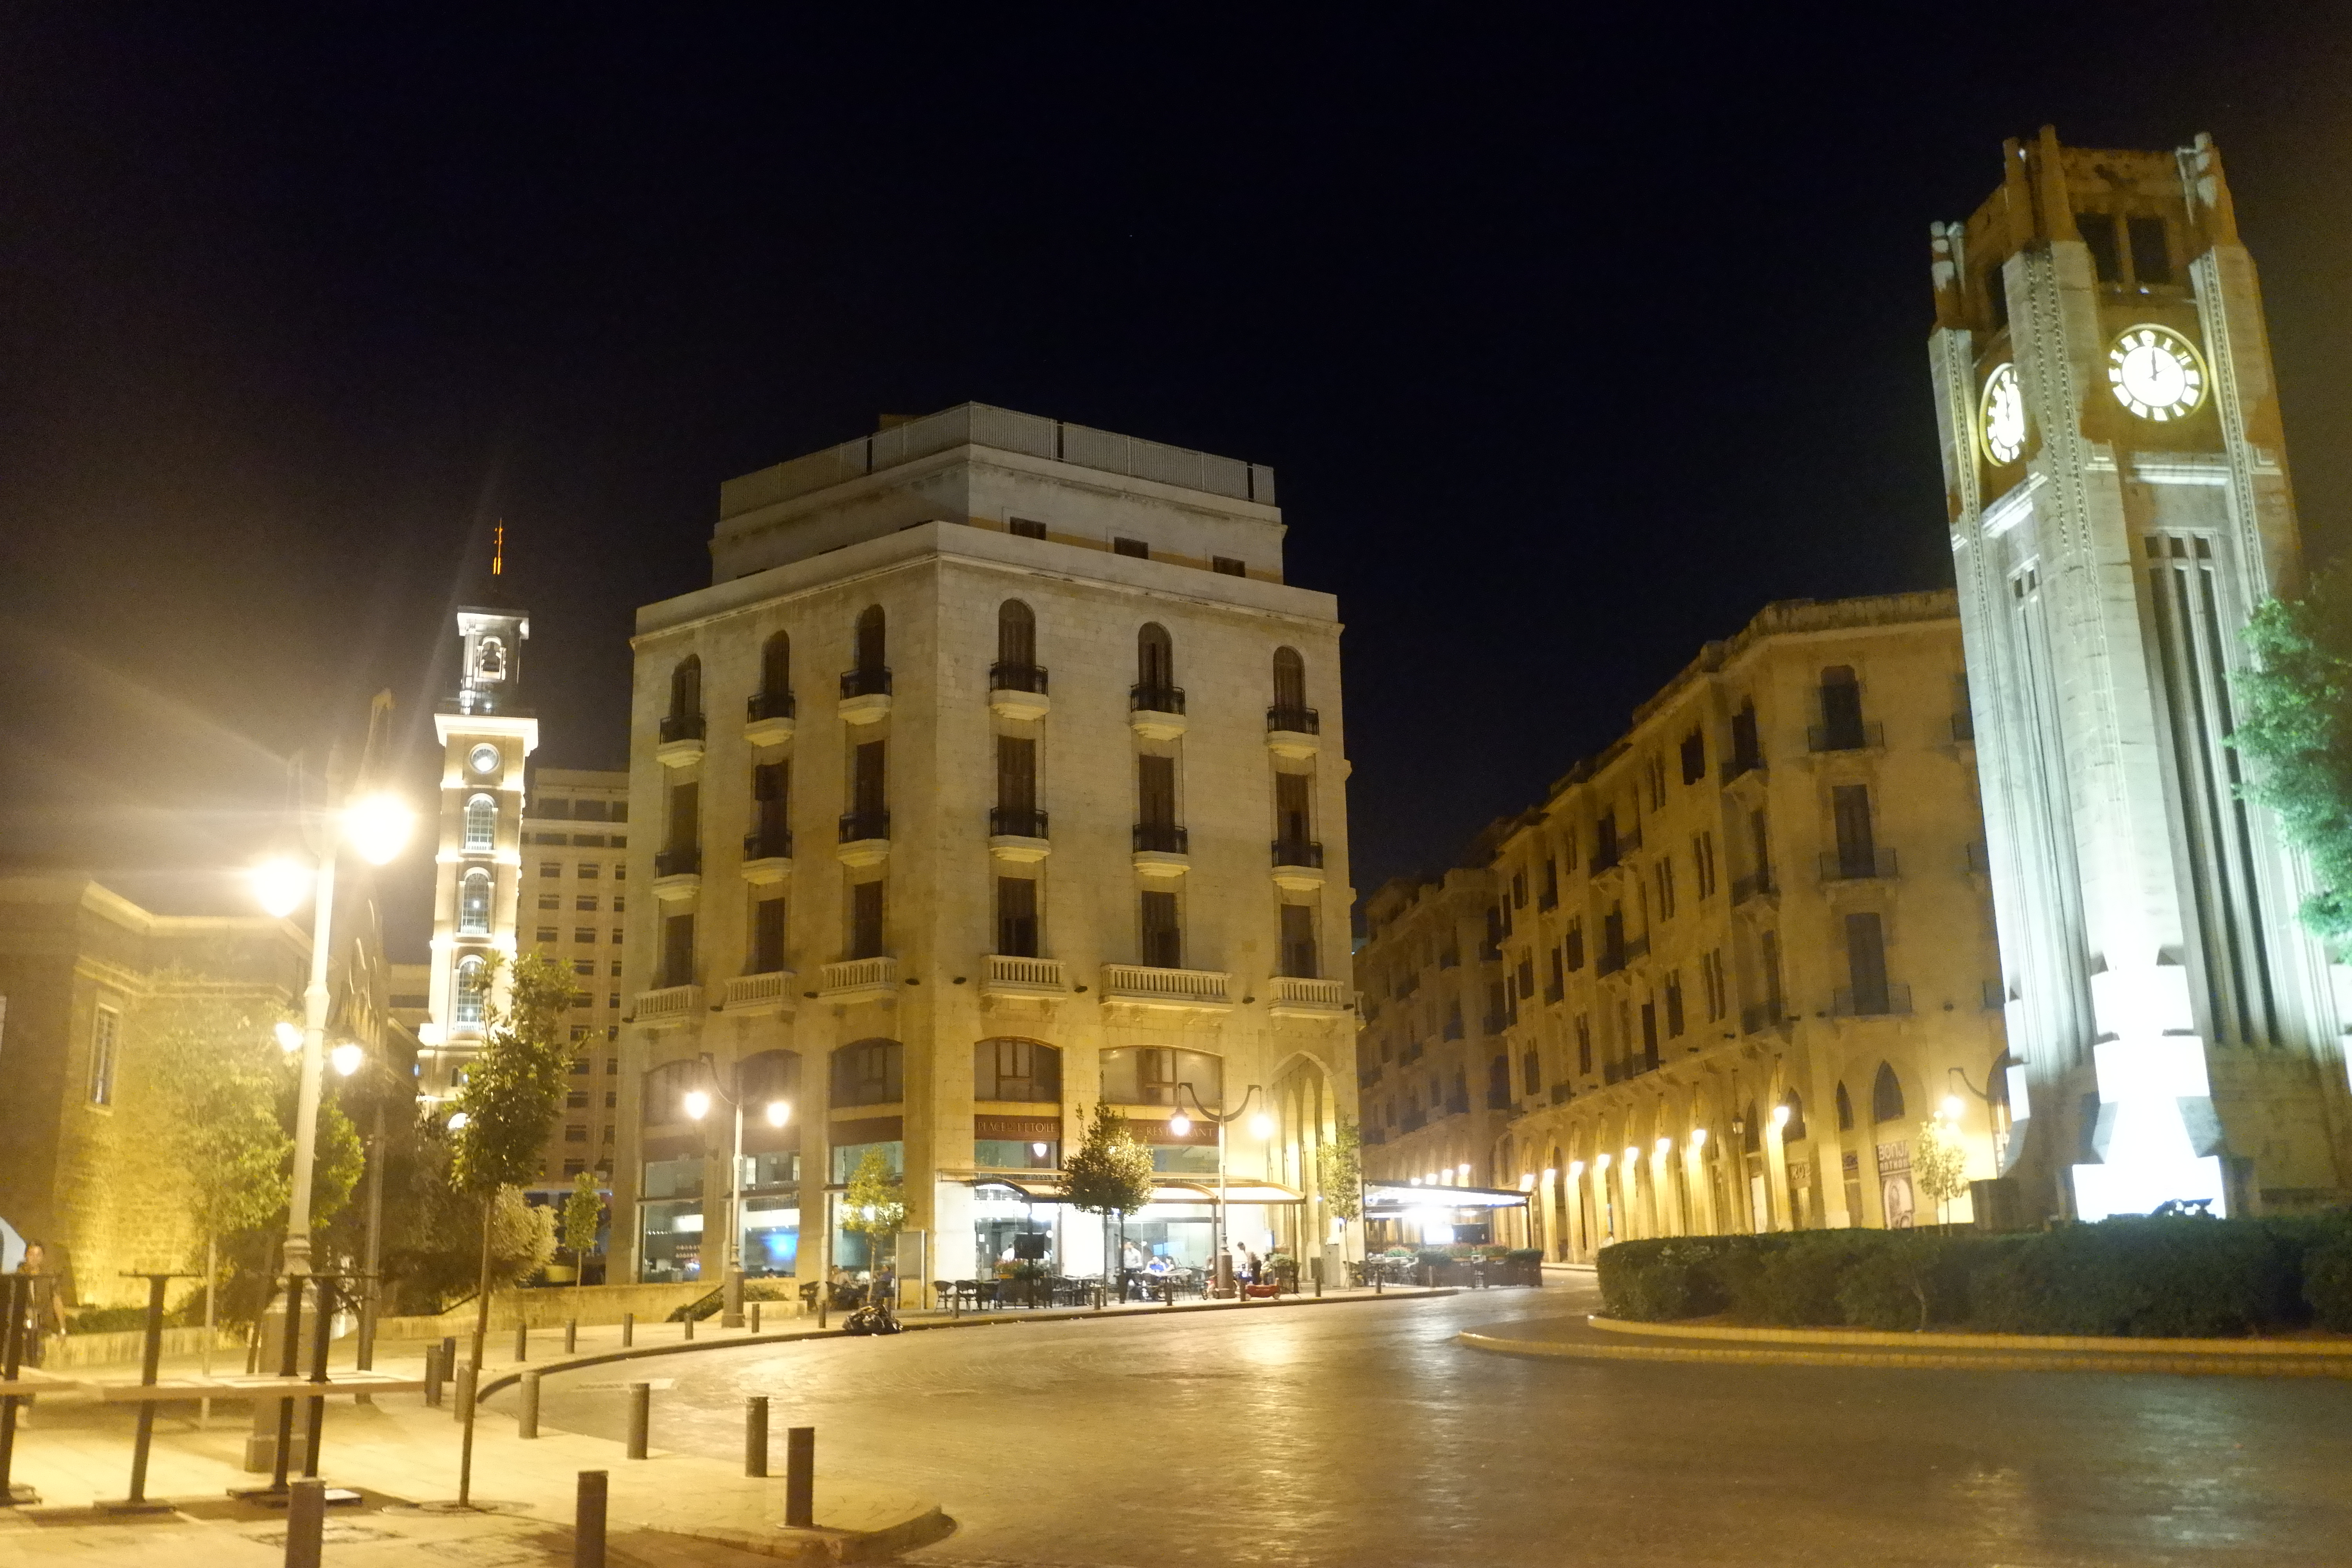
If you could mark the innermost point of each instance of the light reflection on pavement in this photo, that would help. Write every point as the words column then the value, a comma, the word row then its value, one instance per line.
column 1361, row 1434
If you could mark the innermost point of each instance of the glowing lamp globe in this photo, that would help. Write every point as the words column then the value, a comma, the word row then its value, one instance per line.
column 698, row 1104
column 1179, row 1124
column 378, row 827
column 1262, row 1125
column 287, row 1035
column 457, row 1121
column 280, row 884
column 779, row 1112
column 347, row 1057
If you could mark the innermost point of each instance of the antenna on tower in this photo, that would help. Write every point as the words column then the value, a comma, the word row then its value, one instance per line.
column 498, row 551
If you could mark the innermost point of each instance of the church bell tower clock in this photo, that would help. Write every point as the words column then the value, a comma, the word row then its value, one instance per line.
column 487, row 735
column 2115, row 468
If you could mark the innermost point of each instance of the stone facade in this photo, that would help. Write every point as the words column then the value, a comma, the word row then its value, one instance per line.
column 2116, row 469
column 998, row 774
column 575, row 879
column 1435, row 1007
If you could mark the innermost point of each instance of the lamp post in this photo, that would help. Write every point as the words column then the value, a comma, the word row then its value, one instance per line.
column 697, row 1106
column 1181, row 1124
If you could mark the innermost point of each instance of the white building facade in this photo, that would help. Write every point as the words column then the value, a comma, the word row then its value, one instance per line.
column 2115, row 466
column 998, row 774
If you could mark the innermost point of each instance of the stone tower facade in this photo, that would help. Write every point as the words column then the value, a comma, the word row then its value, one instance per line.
column 2115, row 470
column 486, row 734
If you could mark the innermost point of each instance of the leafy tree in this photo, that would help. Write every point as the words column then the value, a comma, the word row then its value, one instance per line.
column 1339, row 1170
column 1938, row 1166
column 2294, row 724
column 873, row 1209
column 1108, row 1173
column 583, row 1212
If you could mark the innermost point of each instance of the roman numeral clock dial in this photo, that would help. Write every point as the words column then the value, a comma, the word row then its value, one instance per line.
column 2155, row 373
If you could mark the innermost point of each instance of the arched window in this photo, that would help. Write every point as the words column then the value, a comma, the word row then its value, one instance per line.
column 686, row 688
column 776, row 666
column 1885, row 1095
column 474, row 903
column 869, row 1072
column 473, row 991
column 1751, row 1134
column 1844, row 1109
column 1155, row 1075
column 662, row 1104
column 1016, row 634
column 1155, row 657
column 1009, row 1069
column 871, row 650
column 481, row 824
column 1289, row 679
column 1793, row 1130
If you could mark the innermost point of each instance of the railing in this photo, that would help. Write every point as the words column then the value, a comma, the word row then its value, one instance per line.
column 770, row 705
column 1562, row 1093
column 1014, row 821
column 1294, row 720
column 1858, row 737
column 857, row 824
column 1755, row 885
column 1496, row 1023
column 856, row 974
column 681, row 727
column 1155, row 698
column 1761, row 1016
column 1964, row 726
column 1142, row 982
column 672, row 1004
column 866, row 682
column 1367, row 1076
column 768, row 844
column 1609, row 857
column 1161, row 838
column 1297, row 852
column 685, row 862
column 1742, row 762
column 1840, row 867
column 749, row 990
column 1297, row 991
column 1457, row 1105
column 1891, row 1000
column 1613, row 959
column 1018, row 678
column 1498, row 1100
column 1012, row 969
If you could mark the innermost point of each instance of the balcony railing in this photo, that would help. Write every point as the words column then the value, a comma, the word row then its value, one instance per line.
column 1298, row 852
column 866, row 682
column 1498, row 1100
column 862, row 825
column 1016, row 821
column 686, row 862
column 670, row 1004
column 1838, row 866
column 768, row 844
column 1295, row 720
column 858, row 975
column 1013, row 970
column 1609, row 857
column 1367, row 1076
column 1857, row 737
column 758, row 990
column 1018, row 678
column 1742, row 762
column 1496, row 1023
column 1891, row 1000
column 1298, row 990
column 1174, row 987
column 681, row 727
column 1613, row 959
column 1457, row 1105
column 1161, row 838
column 1155, row 698
column 770, row 705
column 1755, row 885
column 1562, row 1093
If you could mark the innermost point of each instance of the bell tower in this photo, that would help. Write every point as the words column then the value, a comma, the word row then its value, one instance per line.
column 2115, row 472
column 486, row 734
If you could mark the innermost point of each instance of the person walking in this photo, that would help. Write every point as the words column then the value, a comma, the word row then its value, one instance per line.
column 43, row 1304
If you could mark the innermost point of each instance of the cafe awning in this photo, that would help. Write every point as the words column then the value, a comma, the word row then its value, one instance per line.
column 1048, row 1190
column 1383, row 1199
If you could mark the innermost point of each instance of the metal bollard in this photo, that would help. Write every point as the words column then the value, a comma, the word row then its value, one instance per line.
column 799, row 1477
column 306, row 1521
column 434, row 1374
column 449, row 1355
column 755, row 1317
column 641, row 1417
column 755, row 1436
column 628, row 1330
column 465, row 1400
column 1380, row 1281
column 523, row 1342
column 690, row 1326
column 527, row 1411
column 588, row 1519
column 571, row 1335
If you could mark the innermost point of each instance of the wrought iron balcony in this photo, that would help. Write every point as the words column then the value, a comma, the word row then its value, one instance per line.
column 1755, row 885
column 768, row 844
column 1161, row 838
column 1853, row 737
column 858, row 826
column 866, row 682
column 1018, row 678
column 1890, row 1000
column 1295, row 720
column 1155, row 698
column 681, row 727
column 1017, row 822
column 1302, row 852
column 770, row 705
column 1742, row 762
column 686, row 862
column 1864, row 866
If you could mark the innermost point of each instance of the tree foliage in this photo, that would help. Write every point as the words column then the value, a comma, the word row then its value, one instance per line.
column 221, row 1077
column 873, row 1207
column 2294, row 724
column 515, row 1086
column 1110, row 1170
column 1939, row 1164
column 583, row 1212
column 1339, row 1170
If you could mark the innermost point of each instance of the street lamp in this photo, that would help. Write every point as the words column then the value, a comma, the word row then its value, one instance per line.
column 376, row 825
column 1225, row 1261
column 778, row 1112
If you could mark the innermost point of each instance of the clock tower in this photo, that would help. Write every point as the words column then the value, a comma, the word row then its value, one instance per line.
column 2115, row 472
column 486, row 734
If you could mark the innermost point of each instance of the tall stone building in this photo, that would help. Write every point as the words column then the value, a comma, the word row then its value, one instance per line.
column 575, row 875
column 1435, row 1000
column 998, row 774
column 1742, row 954
column 2116, row 469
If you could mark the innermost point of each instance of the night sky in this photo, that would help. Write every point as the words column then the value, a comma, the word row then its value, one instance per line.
column 1574, row 341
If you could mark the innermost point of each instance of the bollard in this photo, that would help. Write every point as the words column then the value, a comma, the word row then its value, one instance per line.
column 449, row 1355
column 1379, row 1282
column 571, row 1335
column 1318, row 1280
column 523, row 1342
column 628, row 1330
column 755, row 1317
column 641, row 1417
column 799, row 1477
column 588, row 1520
column 432, row 1376
column 755, row 1436
column 527, row 1411
column 690, row 1326
column 464, row 1403
column 306, row 1521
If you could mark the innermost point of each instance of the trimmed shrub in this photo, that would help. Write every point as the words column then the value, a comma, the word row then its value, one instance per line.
column 1530, row 1255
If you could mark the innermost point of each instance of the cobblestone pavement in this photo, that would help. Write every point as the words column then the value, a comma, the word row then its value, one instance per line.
column 1361, row 1435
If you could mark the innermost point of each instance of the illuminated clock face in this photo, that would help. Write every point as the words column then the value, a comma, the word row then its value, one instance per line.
column 484, row 759
column 2001, row 418
column 2155, row 373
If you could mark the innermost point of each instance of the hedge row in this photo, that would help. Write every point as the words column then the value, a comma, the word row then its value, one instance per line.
column 2160, row 1278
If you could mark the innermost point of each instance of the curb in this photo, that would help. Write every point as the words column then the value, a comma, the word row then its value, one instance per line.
column 822, row 1545
column 2175, row 1364
column 2291, row 1350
